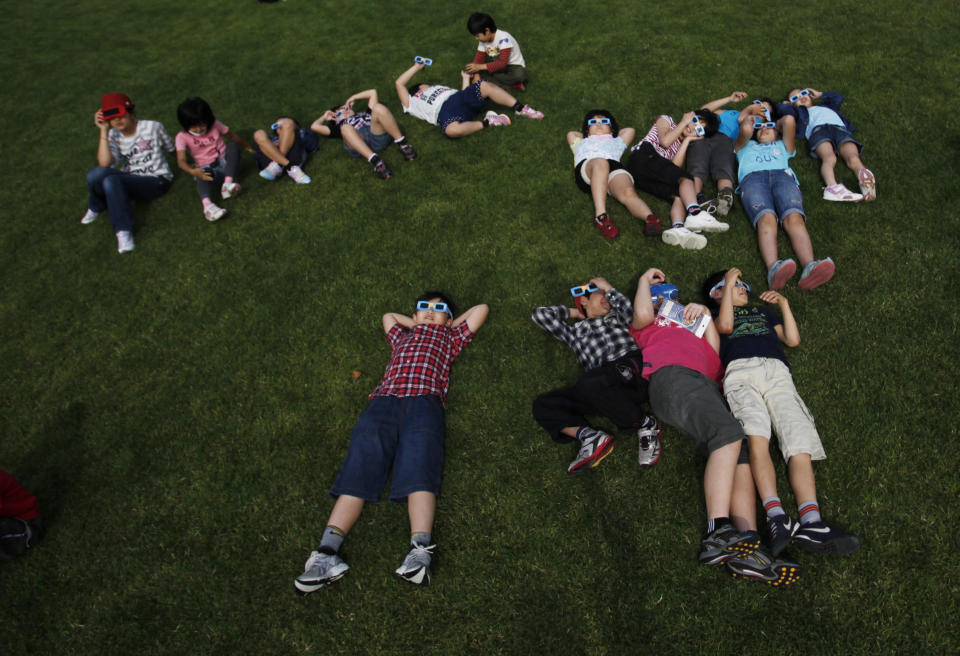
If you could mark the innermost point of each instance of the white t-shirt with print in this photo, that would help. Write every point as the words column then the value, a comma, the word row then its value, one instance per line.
column 501, row 41
column 426, row 103
column 142, row 153
column 598, row 146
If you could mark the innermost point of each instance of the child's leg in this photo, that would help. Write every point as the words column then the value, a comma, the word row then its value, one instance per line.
column 623, row 190
column 383, row 121
column 718, row 480
column 743, row 504
column 688, row 194
column 458, row 129
column 800, row 470
column 761, row 466
column 851, row 156
column 598, row 170
column 491, row 91
column 796, row 228
column 267, row 147
column 767, row 238
column 828, row 161
column 345, row 512
column 231, row 158
column 421, row 508
column 205, row 189
column 353, row 139
column 677, row 211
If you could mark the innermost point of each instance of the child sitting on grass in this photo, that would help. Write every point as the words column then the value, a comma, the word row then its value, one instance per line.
column 131, row 166
column 287, row 150
column 771, row 196
column 365, row 134
column 760, row 391
column 401, row 431
column 611, row 385
column 683, row 372
column 656, row 164
column 498, row 58
column 828, row 133
column 597, row 171
column 455, row 111
column 202, row 137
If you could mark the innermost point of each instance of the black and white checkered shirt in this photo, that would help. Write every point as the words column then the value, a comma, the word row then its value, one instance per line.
column 596, row 341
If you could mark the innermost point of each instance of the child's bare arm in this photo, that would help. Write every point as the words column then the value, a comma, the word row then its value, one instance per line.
column 474, row 317
column 237, row 139
column 715, row 105
column 725, row 316
column 573, row 137
column 746, row 132
column 788, row 333
column 681, row 155
column 320, row 127
column 194, row 171
column 391, row 319
column 627, row 135
column 643, row 313
column 788, row 132
column 401, row 84
column 712, row 337
column 370, row 95
column 668, row 136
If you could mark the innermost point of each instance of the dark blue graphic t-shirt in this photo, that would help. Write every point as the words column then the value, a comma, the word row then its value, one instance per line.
column 753, row 336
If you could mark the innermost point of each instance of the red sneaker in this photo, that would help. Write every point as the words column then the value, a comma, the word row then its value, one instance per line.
column 653, row 228
column 606, row 227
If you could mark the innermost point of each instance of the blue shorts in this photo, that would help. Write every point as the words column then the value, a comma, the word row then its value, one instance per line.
column 775, row 192
column 835, row 134
column 304, row 143
column 402, row 434
column 461, row 106
column 376, row 142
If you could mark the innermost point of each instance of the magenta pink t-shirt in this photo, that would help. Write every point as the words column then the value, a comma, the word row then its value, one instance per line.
column 663, row 346
column 205, row 149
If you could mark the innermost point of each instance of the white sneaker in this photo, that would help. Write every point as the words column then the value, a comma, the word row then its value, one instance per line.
column 321, row 569
column 89, row 217
column 496, row 120
column 684, row 238
column 416, row 566
column 298, row 175
column 704, row 222
column 213, row 213
column 125, row 241
column 271, row 171
column 841, row 194
column 229, row 189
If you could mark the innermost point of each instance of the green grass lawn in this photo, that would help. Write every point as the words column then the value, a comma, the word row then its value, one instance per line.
column 182, row 411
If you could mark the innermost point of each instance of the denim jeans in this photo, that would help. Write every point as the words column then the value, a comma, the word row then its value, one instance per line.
column 112, row 190
column 225, row 167
column 775, row 192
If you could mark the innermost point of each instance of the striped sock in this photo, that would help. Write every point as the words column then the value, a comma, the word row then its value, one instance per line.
column 715, row 523
column 331, row 540
column 810, row 512
column 773, row 506
column 693, row 209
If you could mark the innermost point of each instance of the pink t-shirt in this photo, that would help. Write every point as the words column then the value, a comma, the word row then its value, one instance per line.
column 666, row 345
column 207, row 148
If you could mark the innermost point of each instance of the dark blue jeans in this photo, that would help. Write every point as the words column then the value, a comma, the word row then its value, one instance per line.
column 226, row 166
column 112, row 190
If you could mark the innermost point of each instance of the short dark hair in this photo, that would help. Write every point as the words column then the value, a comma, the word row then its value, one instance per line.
column 479, row 23
column 194, row 111
column 415, row 89
column 710, row 121
column 430, row 295
column 708, row 284
column 585, row 129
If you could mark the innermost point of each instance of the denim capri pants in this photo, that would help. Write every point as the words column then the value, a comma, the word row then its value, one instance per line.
column 771, row 191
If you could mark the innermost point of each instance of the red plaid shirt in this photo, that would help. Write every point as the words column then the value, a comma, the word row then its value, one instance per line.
column 421, row 360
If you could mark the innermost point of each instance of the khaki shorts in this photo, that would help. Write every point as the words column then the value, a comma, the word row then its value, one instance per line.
column 761, row 394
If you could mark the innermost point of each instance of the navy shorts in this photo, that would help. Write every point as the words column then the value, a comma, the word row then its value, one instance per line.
column 774, row 192
column 402, row 434
column 835, row 134
column 376, row 142
column 461, row 106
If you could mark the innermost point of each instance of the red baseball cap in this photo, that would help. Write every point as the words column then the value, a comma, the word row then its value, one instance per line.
column 115, row 105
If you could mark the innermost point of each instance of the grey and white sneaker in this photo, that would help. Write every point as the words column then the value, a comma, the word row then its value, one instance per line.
column 125, row 241
column 89, row 217
column 684, row 238
column 704, row 222
column 321, row 569
column 416, row 566
column 649, row 439
column 596, row 446
column 782, row 529
column 724, row 201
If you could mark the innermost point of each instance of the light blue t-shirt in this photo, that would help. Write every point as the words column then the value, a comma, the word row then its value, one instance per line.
column 822, row 116
column 772, row 156
column 729, row 123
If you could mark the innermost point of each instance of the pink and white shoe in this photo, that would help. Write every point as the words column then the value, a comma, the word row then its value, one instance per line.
column 530, row 112
column 841, row 194
column 229, row 190
column 868, row 184
column 213, row 213
column 496, row 119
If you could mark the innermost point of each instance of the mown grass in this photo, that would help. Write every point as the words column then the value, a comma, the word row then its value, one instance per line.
column 182, row 411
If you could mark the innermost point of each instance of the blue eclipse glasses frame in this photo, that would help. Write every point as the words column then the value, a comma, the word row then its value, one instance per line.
column 668, row 290
column 436, row 306
column 583, row 290
column 797, row 96
column 426, row 61
column 722, row 283
column 762, row 125
column 598, row 121
column 698, row 126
